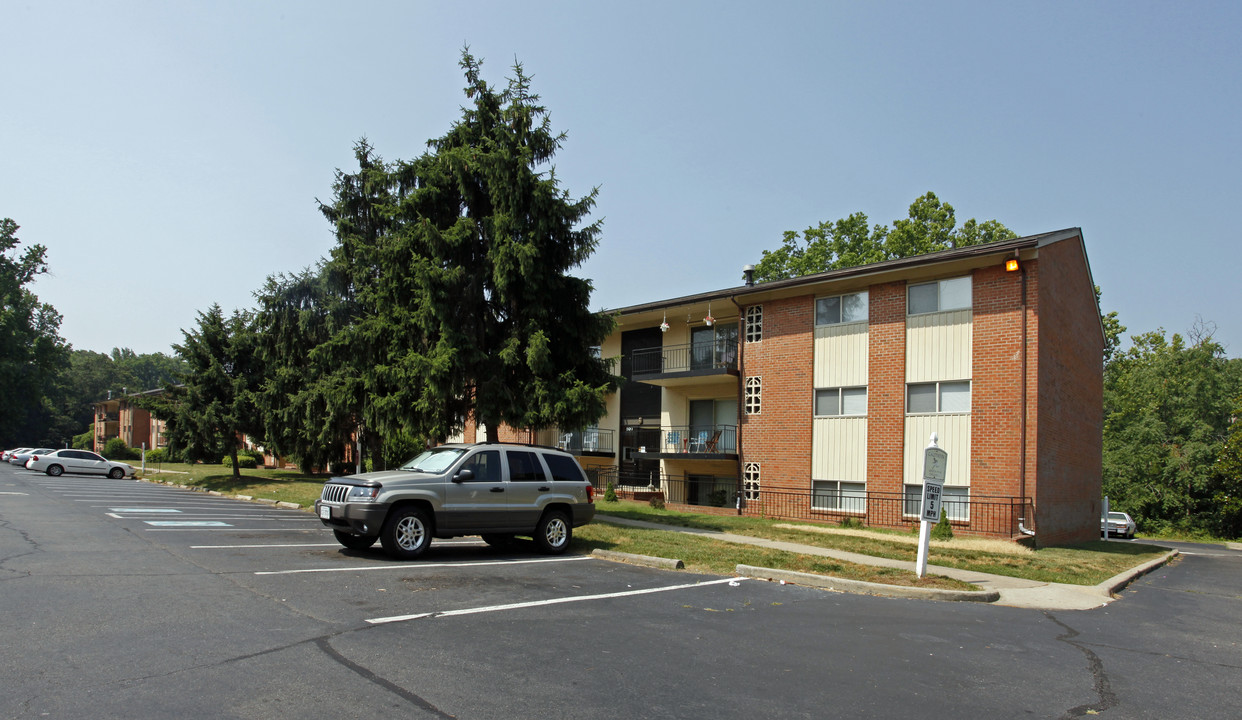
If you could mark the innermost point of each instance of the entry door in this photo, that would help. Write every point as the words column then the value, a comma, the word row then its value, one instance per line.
column 702, row 422
column 702, row 345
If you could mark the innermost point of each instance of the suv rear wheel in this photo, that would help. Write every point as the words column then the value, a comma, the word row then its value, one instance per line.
column 554, row 532
column 406, row 533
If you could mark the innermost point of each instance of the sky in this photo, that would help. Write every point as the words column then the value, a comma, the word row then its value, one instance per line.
column 171, row 155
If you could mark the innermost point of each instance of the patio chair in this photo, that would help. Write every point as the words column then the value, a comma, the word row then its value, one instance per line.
column 699, row 443
column 672, row 439
column 710, row 445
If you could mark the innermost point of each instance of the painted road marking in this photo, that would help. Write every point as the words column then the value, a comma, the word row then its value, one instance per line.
column 12, row 493
column 226, row 528
column 554, row 601
column 426, row 566
column 187, row 523
column 141, row 510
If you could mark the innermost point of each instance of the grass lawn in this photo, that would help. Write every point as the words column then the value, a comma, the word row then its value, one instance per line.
column 283, row 485
column 1087, row 564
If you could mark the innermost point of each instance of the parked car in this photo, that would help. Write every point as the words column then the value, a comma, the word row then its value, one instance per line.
column 1118, row 523
column 59, row 462
column 19, row 458
column 496, row 490
column 8, row 454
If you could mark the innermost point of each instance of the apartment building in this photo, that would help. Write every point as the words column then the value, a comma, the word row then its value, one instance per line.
column 814, row 398
column 122, row 417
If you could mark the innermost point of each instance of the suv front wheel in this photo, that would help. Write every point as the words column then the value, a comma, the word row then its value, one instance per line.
column 406, row 533
column 554, row 532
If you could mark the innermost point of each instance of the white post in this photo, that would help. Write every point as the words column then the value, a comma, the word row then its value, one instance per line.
column 1105, row 516
column 934, row 462
column 144, row 457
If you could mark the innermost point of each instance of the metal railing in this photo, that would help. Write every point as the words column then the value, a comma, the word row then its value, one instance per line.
column 590, row 440
column 990, row 515
column 720, row 355
column 983, row 515
column 698, row 439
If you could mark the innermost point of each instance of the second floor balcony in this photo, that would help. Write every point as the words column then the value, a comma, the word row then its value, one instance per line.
column 684, row 362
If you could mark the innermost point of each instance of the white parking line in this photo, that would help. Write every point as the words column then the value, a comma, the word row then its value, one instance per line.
column 188, row 523
column 425, row 566
column 553, row 601
column 231, row 529
column 13, row 493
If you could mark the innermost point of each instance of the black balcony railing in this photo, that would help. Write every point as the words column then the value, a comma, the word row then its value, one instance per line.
column 698, row 439
column 720, row 355
column 589, row 440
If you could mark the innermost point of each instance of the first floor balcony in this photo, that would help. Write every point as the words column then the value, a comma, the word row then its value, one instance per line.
column 590, row 442
column 692, row 442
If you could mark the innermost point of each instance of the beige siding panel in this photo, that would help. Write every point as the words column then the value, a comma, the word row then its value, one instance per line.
column 841, row 355
column 939, row 346
column 839, row 449
column 954, row 434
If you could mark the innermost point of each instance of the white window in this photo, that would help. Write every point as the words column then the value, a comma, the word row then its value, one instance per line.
column 841, row 309
column 951, row 294
column 838, row 495
column 954, row 500
column 754, row 392
column 754, row 323
column 832, row 402
column 938, row 397
column 750, row 481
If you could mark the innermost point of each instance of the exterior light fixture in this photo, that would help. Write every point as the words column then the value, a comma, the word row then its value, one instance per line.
column 664, row 323
column 709, row 320
column 1011, row 265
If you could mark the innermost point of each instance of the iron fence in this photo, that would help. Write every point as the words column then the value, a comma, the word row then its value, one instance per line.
column 718, row 355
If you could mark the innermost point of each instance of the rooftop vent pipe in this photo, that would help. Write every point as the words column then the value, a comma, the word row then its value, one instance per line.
column 749, row 272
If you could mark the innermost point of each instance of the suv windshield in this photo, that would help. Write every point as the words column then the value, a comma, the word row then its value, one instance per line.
column 436, row 460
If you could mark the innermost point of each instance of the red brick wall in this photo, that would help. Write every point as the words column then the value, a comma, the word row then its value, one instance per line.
column 1071, row 399
column 886, row 387
column 779, row 437
column 996, row 387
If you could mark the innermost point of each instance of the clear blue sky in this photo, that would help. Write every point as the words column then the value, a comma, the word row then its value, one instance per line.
column 169, row 155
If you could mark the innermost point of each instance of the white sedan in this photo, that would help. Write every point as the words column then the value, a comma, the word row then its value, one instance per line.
column 78, row 461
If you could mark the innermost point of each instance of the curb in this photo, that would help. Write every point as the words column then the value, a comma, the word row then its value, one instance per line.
column 646, row 560
column 861, row 587
column 1116, row 583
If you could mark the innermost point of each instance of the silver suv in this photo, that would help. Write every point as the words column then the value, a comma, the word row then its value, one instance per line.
column 496, row 490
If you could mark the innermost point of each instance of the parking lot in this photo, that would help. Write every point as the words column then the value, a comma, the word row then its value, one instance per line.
column 128, row 598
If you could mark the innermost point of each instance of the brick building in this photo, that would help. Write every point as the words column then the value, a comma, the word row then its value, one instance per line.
column 813, row 398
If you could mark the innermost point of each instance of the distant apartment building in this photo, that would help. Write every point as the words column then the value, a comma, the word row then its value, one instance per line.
column 121, row 417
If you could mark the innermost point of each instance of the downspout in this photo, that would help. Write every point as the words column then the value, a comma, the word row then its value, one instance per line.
column 741, row 382
column 1022, row 416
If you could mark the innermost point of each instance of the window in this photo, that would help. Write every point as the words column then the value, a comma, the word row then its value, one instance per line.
column 838, row 495
column 938, row 397
column 830, row 402
column 951, row 294
column 954, row 500
column 841, row 309
column 524, row 467
column 750, row 481
column 563, row 468
column 485, row 466
column 754, row 323
column 754, row 391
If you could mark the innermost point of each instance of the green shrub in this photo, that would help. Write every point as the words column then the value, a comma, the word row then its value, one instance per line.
column 610, row 493
column 116, row 449
column 85, row 441
column 657, row 502
column 246, row 462
column 851, row 522
column 157, row 455
column 943, row 530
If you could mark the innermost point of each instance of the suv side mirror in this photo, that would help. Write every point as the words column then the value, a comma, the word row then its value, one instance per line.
column 463, row 476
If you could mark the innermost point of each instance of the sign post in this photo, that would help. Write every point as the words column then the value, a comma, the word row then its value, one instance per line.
column 934, row 462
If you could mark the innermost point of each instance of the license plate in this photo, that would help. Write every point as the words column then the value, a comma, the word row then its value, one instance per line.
column 325, row 512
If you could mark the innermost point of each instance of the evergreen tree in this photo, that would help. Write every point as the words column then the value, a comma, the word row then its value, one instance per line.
column 454, row 271
column 214, row 405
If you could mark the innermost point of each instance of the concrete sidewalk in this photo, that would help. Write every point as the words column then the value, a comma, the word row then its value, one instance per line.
column 1013, row 592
